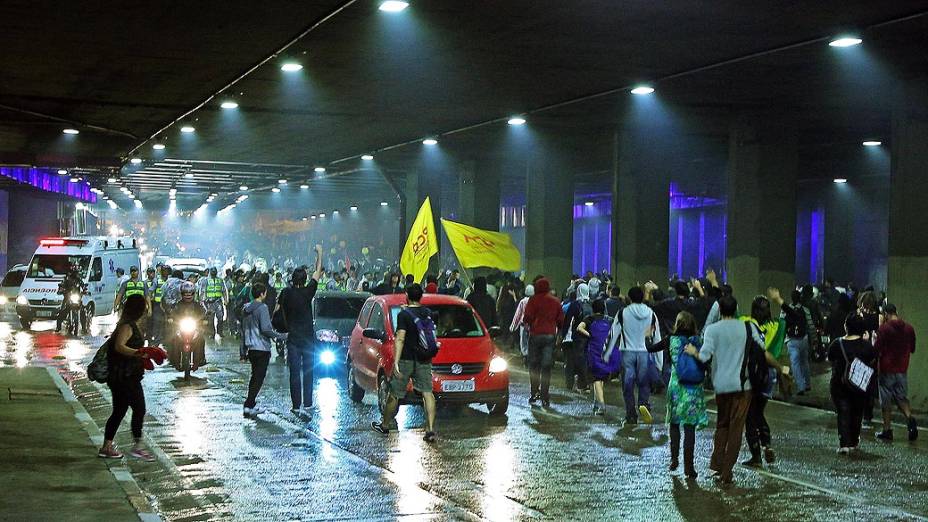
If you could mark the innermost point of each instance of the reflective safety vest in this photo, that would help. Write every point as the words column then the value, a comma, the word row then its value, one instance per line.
column 214, row 288
column 279, row 285
column 134, row 288
column 159, row 290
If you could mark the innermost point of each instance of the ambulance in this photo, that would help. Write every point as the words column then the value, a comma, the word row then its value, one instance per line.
column 97, row 259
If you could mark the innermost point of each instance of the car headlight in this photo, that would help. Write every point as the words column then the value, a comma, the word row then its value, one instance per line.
column 21, row 300
column 327, row 357
column 327, row 336
column 3, row 300
column 75, row 298
column 498, row 365
column 187, row 325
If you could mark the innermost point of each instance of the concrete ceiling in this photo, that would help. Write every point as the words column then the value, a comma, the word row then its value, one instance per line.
column 372, row 79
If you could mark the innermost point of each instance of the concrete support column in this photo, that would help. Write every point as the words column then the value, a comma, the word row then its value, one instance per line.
column 908, row 223
column 549, row 225
column 762, row 169
column 479, row 192
column 640, row 211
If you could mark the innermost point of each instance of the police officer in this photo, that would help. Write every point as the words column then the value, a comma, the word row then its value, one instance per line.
column 279, row 283
column 157, row 313
column 215, row 297
column 72, row 283
column 131, row 287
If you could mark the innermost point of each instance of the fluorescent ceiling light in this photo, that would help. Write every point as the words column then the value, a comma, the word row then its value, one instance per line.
column 871, row 143
column 335, row 212
column 243, row 188
column 172, row 191
column 229, row 105
column 430, row 141
column 188, row 175
column 643, row 89
column 393, row 6
column 312, row 216
column 62, row 172
column 75, row 180
column 187, row 129
column 304, row 186
column 319, row 170
column 135, row 161
column 281, row 182
column 71, row 131
column 322, row 214
column 291, row 67
column 353, row 207
column 138, row 203
column 158, row 146
column 840, row 180
column 275, row 189
column 516, row 120
column 383, row 203
column 845, row 41
column 367, row 157
column 111, row 180
column 589, row 203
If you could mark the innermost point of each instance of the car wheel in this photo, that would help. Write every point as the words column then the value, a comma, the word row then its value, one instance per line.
column 354, row 391
column 383, row 391
column 25, row 323
column 498, row 408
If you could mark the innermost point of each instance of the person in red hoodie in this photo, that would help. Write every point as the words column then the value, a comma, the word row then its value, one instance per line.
column 895, row 342
column 544, row 316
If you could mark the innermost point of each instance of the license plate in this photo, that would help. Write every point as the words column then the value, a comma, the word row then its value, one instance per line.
column 457, row 386
column 44, row 313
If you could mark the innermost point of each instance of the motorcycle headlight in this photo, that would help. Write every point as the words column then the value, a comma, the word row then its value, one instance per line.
column 327, row 357
column 3, row 300
column 327, row 336
column 75, row 298
column 187, row 325
column 21, row 300
column 498, row 365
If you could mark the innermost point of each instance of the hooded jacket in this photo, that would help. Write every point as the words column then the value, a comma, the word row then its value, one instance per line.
column 256, row 323
column 631, row 326
column 543, row 312
column 895, row 342
column 482, row 302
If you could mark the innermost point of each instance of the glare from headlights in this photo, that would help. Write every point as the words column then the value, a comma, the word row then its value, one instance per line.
column 188, row 325
column 327, row 357
column 3, row 300
column 498, row 365
column 22, row 300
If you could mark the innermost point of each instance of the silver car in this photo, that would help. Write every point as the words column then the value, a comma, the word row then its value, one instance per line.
column 9, row 290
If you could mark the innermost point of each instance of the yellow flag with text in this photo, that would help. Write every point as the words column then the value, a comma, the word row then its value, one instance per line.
column 421, row 244
column 477, row 247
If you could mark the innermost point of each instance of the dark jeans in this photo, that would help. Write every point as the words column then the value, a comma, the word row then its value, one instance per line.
column 575, row 365
column 126, row 395
column 300, row 359
column 259, row 361
column 850, row 409
column 637, row 376
column 756, row 429
column 540, row 361
column 689, row 445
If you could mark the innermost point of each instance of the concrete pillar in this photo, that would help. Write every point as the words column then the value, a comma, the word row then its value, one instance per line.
column 549, row 225
column 640, row 211
column 479, row 193
column 908, row 224
column 762, row 168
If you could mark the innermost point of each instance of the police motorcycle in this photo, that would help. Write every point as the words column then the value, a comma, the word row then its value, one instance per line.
column 187, row 346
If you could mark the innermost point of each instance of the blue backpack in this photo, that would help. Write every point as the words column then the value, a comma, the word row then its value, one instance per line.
column 690, row 371
column 428, row 344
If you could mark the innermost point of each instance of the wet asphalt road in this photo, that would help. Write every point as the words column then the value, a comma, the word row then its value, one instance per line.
column 560, row 463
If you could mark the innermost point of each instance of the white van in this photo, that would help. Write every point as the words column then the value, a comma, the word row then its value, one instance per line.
column 98, row 259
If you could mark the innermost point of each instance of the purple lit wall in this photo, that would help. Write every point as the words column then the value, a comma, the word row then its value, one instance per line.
column 698, row 227
column 593, row 235
column 49, row 180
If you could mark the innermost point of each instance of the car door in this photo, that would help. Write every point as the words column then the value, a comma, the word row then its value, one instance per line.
column 95, row 284
column 371, row 353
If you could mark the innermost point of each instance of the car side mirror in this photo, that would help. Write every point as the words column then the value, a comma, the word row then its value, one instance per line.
column 373, row 333
column 495, row 331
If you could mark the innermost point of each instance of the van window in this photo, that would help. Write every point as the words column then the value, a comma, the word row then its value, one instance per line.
column 13, row 279
column 365, row 314
column 57, row 265
column 96, row 270
column 376, row 320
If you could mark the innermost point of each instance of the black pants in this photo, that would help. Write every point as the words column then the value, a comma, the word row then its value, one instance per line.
column 126, row 395
column 850, row 409
column 259, row 361
column 689, row 445
column 540, row 361
column 575, row 365
column 756, row 429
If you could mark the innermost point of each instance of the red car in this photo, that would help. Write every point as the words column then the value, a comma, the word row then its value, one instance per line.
column 468, row 368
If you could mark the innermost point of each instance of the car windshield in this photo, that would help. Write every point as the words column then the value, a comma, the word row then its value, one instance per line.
column 338, row 307
column 13, row 278
column 450, row 320
column 56, row 265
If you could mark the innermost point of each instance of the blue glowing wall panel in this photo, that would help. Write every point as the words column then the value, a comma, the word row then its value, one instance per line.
column 48, row 180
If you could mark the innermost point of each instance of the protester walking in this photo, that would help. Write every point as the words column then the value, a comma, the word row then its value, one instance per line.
column 853, row 360
column 895, row 343
column 543, row 315
column 258, row 334
column 603, row 360
column 296, row 304
column 518, row 325
column 124, row 378
column 801, row 334
column 578, row 307
column 635, row 328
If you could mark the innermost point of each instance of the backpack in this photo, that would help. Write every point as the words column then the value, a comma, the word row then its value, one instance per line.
column 754, row 365
column 795, row 322
column 690, row 370
column 99, row 368
column 857, row 374
column 428, row 344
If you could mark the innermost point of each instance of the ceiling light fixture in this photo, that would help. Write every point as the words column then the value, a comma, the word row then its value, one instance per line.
column 75, row 180
column 353, row 207
column 189, row 175
column 393, row 6
column 291, row 67
column 367, row 157
column 243, row 188
column 516, row 120
column 335, row 212
column 112, row 204
column 304, row 186
column 589, row 203
column 430, row 141
column 840, row 181
column 138, row 203
column 383, row 203
column 229, row 105
column 845, row 41
column 275, row 190
column 322, row 214
column 111, row 180
column 172, row 191
column 62, row 172
column 187, row 129
column 642, row 90
column 872, row 143
column 135, row 161
column 312, row 216
column 281, row 182
column 158, row 146
column 319, row 170
column 71, row 131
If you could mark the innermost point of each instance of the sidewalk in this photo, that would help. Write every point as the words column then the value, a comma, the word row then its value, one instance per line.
column 50, row 466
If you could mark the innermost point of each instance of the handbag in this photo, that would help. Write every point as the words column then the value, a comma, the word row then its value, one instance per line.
column 690, row 371
column 99, row 368
column 856, row 373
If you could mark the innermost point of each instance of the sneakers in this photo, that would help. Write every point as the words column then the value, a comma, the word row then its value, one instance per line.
column 913, row 429
column 753, row 462
column 598, row 411
column 886, row 435
column 545, row 402
column 380, row 428
column 302, row 412
column 534, row 398
column 253, row 412
column 645, row 414
column 769, row 455
column 429, row 437
column 844, row 451
column 109, row 453
column 142, row 454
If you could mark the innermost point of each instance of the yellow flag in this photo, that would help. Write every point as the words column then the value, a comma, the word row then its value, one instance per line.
column 421, row 244
column 477, row 247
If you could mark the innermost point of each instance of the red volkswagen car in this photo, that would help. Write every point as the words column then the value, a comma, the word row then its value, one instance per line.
column 467, row 369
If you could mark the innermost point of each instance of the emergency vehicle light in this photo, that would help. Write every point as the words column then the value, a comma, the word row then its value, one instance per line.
column 62, row 242
column 51, row 242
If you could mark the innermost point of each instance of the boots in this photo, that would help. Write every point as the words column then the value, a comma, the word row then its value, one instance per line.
column 689, row 448
column 674, row 447
column 755, row 460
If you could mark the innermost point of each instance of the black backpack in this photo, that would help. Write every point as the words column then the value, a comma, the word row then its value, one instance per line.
column 754, row 366
column 795, row 321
